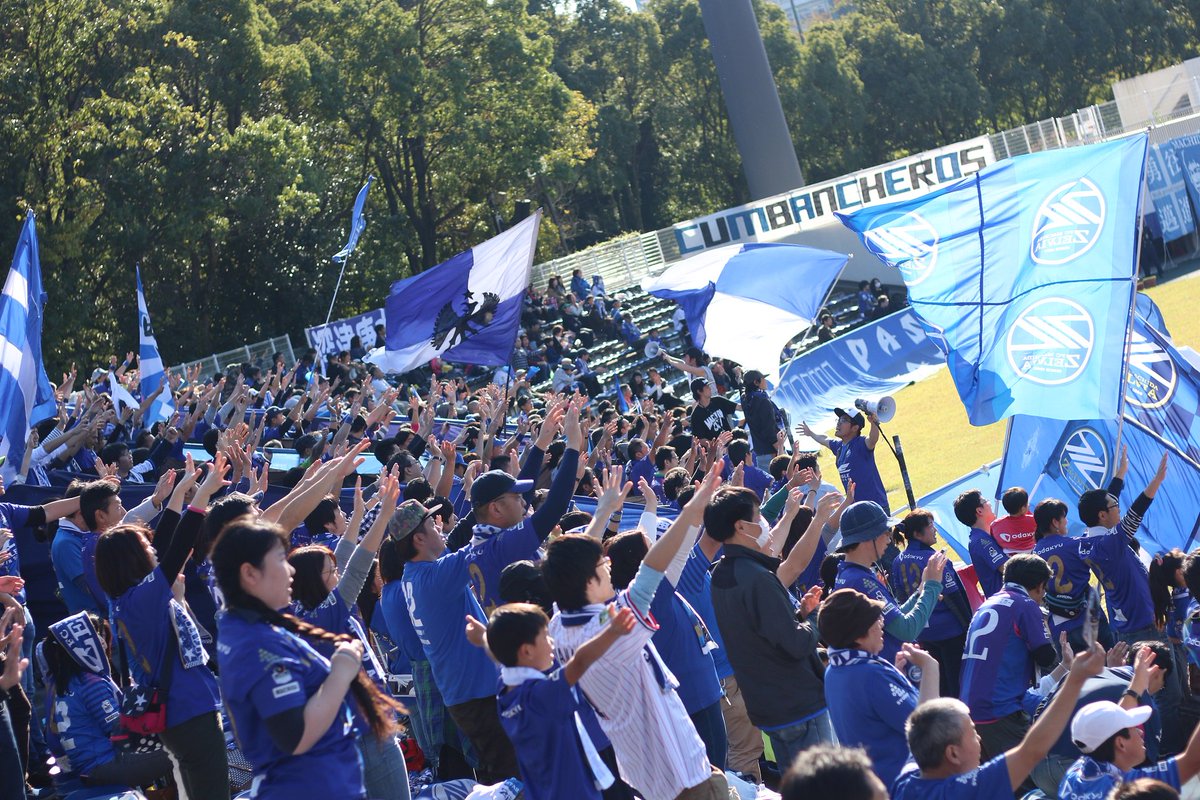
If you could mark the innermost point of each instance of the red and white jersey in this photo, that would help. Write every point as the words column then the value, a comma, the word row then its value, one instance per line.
column 658, row 750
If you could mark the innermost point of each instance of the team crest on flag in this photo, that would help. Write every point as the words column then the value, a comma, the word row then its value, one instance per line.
column 1151, row 377
column 1084, row 460
column 452, row 326
column 1068, row 223
column 906, row 240
column 1051, row 342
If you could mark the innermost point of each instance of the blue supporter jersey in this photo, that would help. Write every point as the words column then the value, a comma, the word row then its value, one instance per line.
column 335, row 616
column 1069, row 575
column 1177, row 614
column 997, row 664
column 489, row 558
column 304, row 536
column 1191, row 633
column 81, row 721
column 1122, row 574
column 811, row 576
column 856, row 462
column 989, row 782
column 266, row 671
column 854, row 576
column 683, row 641
column 394, row 610
column 144, row 618
column 905, row 580
column 1089, row 779
column 66, row 552
column 695, row 586
column 539, row 718
column 640, row 468
column 988, row 560
column 869, row 702
column 14, row 518
column 439, row 598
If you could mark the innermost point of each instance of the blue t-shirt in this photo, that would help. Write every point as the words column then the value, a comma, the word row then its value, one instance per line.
column 905, row 579
column 439, row 598
column 1089, row 779
column 640, row 468
column 856, row 462
column 1177, row 614
column 335, row 616
column 81, row 722
column 143, row 616
column 988, row 560
column 989, row 782
column 304, row 536
column 14, row 518
column 266, row 671
column 869, row 702
column 854, row 576
column 66, row 551
column 1069, row 576
column 811, row 576
column 539, row 718
column 1122, row 574
column 1191, row 633
column 682, row 639
column 695, row 586
column 394, row 611
column 997, row 664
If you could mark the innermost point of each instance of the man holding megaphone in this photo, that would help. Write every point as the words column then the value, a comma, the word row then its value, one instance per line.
column 855, row 453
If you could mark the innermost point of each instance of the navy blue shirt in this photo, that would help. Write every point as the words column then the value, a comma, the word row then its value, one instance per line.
column 988, row 560
column 905, row 579
column 856, row 462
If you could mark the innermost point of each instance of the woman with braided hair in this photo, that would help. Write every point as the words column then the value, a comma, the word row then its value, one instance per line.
column 293, row 710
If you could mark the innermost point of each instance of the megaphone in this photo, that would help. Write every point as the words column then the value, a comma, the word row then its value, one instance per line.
column 884, row 408
column 652, row 349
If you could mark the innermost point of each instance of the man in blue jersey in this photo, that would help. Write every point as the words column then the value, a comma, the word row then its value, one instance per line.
column 855, row 454
column 946, row 748
column 1008, row 636
column 975, row 511
column 863, row 535
column 1111, row 740
column 1070, row 589
column 1106, row 546
column 946, row 632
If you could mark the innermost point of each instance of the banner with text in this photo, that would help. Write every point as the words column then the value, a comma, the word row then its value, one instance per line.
column 331, row 339
column 789, row 213
column 871, row 361
column 1168, row 191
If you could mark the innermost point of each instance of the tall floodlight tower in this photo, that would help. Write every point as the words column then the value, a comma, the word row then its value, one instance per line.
column 751, row 98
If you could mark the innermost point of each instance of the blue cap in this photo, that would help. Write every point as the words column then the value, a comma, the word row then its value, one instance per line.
column 861, row 522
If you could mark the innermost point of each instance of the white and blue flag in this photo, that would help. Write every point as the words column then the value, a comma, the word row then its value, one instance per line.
column 357, row 223
column 466, row 309
column 1024, row 275
column 26, row 396
column 150, row 366
column 745, row 302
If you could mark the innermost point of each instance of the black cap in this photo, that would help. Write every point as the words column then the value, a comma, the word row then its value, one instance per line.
column 490, row 485
column 855, row 419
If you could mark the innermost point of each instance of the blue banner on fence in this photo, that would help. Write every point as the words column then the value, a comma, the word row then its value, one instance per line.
column 1164, row 179
column 871, row 361
column 331, row 339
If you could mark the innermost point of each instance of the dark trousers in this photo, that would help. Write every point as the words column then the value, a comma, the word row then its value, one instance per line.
column 479, row 720
column 1002, row 735
column 12, row 774
column 710, row 724
column 620, row 790
column 949, row 653
column 131, row 769
column 197, row 749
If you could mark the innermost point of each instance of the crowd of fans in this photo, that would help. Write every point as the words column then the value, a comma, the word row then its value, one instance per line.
column 522, row 589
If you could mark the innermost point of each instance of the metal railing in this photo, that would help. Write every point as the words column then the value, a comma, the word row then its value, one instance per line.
column 258, row 353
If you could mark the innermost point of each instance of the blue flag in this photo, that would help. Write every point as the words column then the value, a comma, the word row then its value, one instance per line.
column 1024, row 274
column 1162, row 388
column 150, row 365
column 466, row 309
column 357, row 223
column 745, row 302
column 26, row 396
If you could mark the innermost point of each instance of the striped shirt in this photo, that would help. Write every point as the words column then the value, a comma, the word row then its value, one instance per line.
column 658, row 750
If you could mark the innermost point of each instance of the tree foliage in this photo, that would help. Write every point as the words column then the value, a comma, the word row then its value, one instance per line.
column 219, row 143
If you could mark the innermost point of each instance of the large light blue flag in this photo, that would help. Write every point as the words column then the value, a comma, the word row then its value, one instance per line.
column 357, row 223
column 1024, row 275
column 26, row 396
column 745, row 302
column 150, row 366
column 466, row 309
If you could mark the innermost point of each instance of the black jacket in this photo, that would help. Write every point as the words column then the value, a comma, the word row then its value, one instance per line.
column 761, row 420
column 774, row 656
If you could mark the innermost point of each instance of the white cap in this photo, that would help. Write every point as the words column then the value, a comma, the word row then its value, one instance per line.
column 1096, row 723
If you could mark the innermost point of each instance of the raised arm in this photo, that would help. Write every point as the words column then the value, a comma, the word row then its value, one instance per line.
column 802, row 553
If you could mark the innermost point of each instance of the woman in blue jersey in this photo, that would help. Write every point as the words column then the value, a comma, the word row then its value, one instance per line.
column 327, row 600
column 156, row 630
column 83, row 706
column 293, row 710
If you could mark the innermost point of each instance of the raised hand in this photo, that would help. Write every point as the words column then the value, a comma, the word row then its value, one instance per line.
column 933, row 567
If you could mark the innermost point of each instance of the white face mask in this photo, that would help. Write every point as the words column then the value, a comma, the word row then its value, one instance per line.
column 765, row 536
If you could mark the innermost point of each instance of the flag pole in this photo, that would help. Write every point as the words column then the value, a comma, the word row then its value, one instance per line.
column 1137, row 262
column 338, row 285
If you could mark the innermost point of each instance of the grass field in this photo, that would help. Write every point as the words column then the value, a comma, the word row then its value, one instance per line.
column 940, row 445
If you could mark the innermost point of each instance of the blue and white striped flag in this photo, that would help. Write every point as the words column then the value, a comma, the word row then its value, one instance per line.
column 149, row 363
column 357, row 223
column 26, row 396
